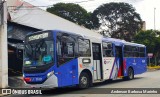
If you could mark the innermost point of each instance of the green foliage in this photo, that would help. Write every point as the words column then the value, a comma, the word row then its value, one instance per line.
column 151, row 39
column 72, row 12
column 118, row 20
column 151, row 65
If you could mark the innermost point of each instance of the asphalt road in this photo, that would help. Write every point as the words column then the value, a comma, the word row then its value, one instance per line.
column 146, row 80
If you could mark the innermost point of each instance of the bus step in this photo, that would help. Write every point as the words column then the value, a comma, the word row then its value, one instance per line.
column 96, row 81
column 120, row 76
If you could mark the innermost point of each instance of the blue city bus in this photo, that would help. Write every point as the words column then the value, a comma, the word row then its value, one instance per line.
column 55, row 58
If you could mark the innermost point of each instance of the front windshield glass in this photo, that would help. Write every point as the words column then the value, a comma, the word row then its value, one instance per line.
column 38, row 53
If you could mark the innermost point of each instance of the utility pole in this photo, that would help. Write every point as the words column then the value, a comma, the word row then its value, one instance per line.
column 3, row 45
column 154, row 19
column 155, row 59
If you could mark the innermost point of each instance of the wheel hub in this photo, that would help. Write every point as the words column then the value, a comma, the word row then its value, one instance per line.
column 130, row 74
column 84, row 80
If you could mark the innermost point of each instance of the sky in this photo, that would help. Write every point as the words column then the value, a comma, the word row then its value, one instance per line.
column 144, row 7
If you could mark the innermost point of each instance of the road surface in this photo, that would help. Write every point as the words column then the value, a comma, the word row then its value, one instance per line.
column 147, row 80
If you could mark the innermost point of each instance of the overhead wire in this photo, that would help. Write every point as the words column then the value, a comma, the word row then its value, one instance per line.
column 51, row 5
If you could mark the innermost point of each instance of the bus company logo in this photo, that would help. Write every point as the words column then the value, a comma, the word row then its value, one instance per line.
column 36, row 79
column 134, row 61
column 6, row 91
column 143, row 61
column 106, row 62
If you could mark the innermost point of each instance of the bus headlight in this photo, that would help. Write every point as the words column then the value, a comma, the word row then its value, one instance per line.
column 50, row 74
column 27, row 62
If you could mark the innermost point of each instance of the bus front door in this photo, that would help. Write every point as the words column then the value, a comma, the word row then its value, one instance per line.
column 96, row 50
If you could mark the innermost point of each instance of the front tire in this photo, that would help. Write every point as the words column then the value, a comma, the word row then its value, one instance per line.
column 84, row 80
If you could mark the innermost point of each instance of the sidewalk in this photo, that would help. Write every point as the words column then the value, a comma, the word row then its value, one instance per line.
column 15, row 82
column 149, row 69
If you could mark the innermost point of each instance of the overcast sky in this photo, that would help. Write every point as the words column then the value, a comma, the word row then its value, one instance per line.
column 144, row 7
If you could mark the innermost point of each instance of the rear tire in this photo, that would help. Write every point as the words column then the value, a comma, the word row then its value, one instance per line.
column 130, row 74
column 84, row 80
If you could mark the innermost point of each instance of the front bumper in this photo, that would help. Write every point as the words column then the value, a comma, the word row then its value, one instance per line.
column 51, row 82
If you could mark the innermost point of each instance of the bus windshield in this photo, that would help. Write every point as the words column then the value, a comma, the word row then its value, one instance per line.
column 38, row 53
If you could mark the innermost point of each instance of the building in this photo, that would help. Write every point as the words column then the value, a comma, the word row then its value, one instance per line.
column 144, row 25
column 16, row 35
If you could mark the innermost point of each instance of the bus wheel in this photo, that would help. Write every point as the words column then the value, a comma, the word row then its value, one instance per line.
column 84, row 80
column 130, row 74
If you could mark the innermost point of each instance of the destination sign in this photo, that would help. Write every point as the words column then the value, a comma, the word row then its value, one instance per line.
column 39, row 36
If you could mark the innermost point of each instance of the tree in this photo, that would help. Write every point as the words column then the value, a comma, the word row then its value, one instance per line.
column 147, row 38
column 73, row 13
column 151, row 39
column 118, row 20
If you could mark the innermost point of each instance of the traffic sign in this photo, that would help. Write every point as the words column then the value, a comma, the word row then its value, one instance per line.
column 150, row 55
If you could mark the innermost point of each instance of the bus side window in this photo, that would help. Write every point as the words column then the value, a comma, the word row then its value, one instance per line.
column 65, row 50
column 84, row 49
column 137, row 54
column 107, row 50
column 128, row 51
column 141, row 51
column 135, row 51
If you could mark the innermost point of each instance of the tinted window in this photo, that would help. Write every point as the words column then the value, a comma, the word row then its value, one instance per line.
column 128, row 51
column 107, row 49
column 84, row 47
column 65, row 49
column 127, row 48
column 141, row 51
column 96, row 51
column 135, row 51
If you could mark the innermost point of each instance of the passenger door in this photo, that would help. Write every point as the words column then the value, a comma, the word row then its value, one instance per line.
column 96, row 50
column 108, row 59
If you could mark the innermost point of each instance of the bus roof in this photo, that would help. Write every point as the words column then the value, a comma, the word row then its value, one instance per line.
column 119, row 42
column 134, row 44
